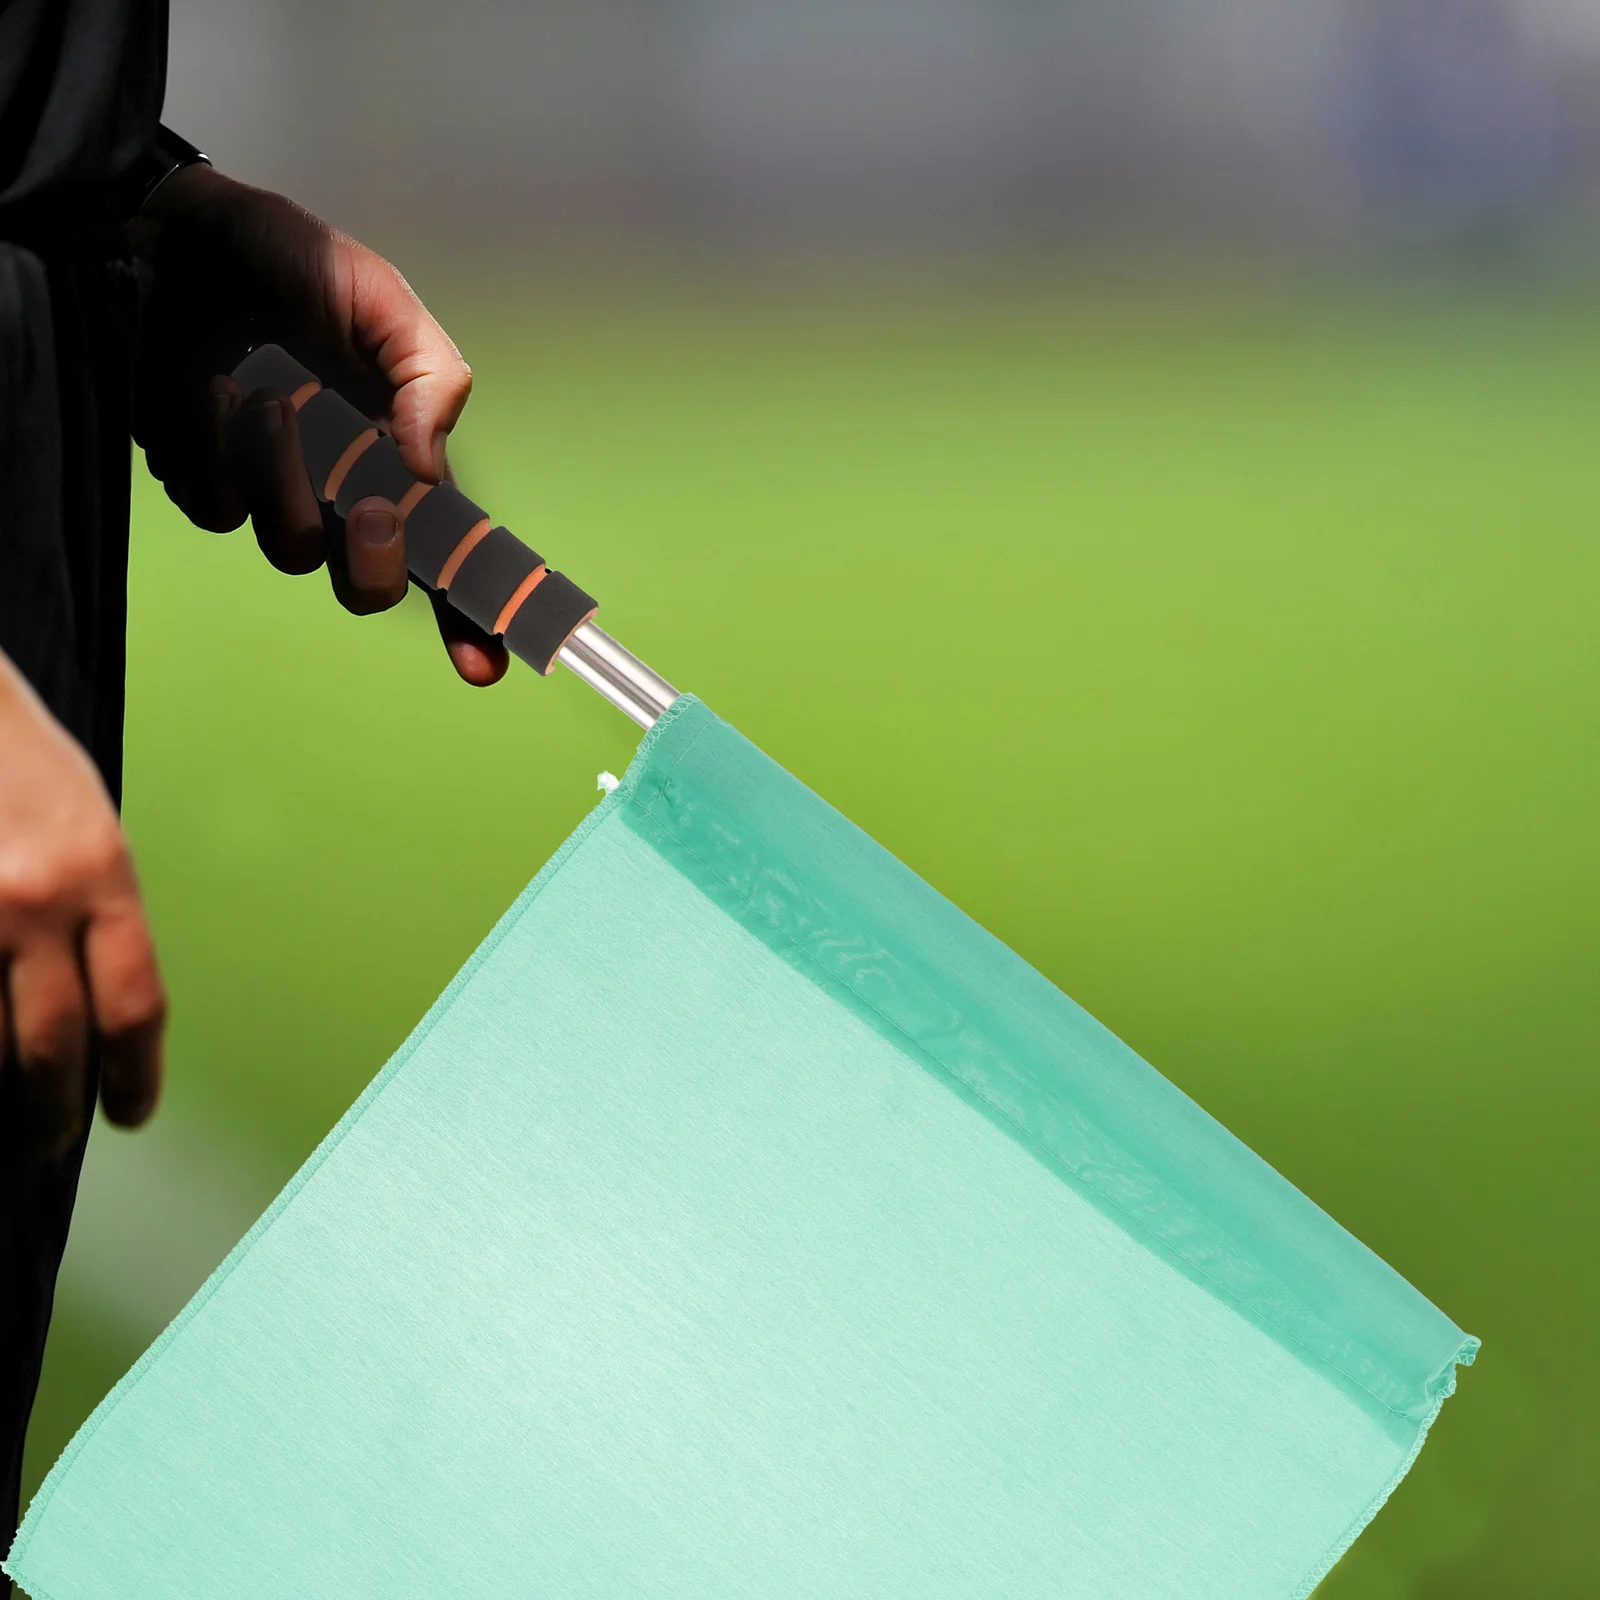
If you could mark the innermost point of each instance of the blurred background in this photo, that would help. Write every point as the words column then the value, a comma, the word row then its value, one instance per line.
column 1175, row 418
column 937, row 137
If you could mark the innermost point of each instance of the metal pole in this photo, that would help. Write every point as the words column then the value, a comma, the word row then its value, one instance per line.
column 621, row 677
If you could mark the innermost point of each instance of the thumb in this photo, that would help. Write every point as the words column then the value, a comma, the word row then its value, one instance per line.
column 429, row 377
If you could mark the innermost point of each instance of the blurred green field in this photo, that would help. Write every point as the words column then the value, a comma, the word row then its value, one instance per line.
column 1284, row 616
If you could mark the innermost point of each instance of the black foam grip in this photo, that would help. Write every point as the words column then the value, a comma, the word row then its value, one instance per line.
column 493, row 569
column 329, row 425
column 546, row 619
column 378, row 470
column 489, row 577
column 272, row 367
column 438, row 522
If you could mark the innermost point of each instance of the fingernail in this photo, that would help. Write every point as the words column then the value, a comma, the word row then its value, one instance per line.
column 272, row 418
column 439, row 438
column 221, row 402
column 375, row 528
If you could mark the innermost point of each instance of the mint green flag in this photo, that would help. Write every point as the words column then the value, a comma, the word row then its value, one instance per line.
column 745, row 1223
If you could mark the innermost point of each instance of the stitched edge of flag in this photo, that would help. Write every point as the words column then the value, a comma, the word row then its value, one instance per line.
column 1444, row 1385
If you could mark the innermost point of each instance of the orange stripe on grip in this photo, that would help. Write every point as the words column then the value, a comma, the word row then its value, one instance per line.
column 461, row 552
column 407, row 502
column 354, row 451
column 523, row 590
column 304, row 393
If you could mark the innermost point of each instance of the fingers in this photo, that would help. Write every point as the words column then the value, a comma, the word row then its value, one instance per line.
column 272, row 480
column 53, row 1013
column 367, row 558
column 49, row 1016
column 190, row 454
column 478, row 657
column 430, row 379
column 369, row 572
column 128, row 1007
column 212, row 500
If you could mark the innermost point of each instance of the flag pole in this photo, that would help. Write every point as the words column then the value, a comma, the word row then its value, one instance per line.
column 617, row 674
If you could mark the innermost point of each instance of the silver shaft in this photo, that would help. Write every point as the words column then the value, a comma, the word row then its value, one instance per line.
column 621, row 677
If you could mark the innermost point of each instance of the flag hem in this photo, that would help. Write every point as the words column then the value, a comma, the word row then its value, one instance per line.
column 836, row 906
column 1444, row 1387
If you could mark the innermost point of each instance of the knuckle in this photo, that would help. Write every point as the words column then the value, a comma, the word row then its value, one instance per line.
column 28, row 887
column 103, row 852
column 52, row 1039
column 135, row 1006
column 37, row 881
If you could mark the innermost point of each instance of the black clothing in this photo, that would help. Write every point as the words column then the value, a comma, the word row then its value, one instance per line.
column 81, row 85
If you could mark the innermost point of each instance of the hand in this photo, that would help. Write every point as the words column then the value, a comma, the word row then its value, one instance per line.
column 227, row 266
column 75, row 950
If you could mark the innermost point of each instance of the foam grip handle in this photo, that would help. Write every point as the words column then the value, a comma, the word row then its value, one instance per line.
column 487, row 573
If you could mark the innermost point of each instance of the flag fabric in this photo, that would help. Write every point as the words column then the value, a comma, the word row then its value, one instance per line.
column 745, row 1223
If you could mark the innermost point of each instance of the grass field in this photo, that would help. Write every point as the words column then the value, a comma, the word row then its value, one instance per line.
column 1283, row 619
